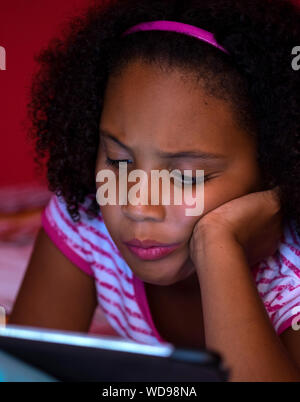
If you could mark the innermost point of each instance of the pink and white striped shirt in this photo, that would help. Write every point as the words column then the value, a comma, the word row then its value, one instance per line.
column 121, row 294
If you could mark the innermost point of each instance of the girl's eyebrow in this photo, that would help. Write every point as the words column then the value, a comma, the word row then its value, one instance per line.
column 105, row 133
column 191, row 154
column 170, row 155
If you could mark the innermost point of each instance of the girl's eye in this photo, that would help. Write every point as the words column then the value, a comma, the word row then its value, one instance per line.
column 184, row 179
column 188, row 180
column 192, row 180
column 115, row 162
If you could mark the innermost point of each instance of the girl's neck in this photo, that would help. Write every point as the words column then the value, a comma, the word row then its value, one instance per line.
column 191, row 283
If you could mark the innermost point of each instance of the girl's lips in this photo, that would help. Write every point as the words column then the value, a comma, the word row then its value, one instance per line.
column 152, row 253
column 147, row 243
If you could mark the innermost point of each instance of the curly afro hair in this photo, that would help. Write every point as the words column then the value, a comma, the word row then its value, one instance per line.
column 256, row 77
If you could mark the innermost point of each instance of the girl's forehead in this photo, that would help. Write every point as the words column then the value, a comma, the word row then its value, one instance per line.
column 162, row 91
column 147, row 105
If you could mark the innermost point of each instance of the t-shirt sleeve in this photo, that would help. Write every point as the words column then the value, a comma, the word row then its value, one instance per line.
column 278, row 281
column 66, row 234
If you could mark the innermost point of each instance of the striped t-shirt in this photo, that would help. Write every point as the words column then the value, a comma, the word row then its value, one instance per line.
column 121, row 294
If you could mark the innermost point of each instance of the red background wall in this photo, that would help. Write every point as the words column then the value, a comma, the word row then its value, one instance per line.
column 25, row 27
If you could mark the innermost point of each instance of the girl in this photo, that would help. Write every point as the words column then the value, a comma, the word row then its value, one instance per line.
column 207, row 85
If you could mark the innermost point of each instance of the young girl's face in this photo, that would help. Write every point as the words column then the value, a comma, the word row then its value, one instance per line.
column 147, row 113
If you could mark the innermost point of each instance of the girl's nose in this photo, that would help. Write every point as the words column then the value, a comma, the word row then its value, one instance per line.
column 145, row 210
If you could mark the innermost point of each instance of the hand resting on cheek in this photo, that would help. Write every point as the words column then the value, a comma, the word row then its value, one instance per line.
column 254, row 220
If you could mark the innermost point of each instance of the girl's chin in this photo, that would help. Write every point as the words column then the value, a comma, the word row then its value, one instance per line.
column 160, row 282
column 159, row 272
column 170, row 278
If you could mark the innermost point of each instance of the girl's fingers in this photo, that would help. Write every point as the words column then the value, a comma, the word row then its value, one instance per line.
column 273, row 198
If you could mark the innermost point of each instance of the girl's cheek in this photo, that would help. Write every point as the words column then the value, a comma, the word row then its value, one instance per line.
column 197, row 204
column 178, row 218
column 191, row 205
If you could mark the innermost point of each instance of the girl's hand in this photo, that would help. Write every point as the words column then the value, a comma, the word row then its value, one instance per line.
column 254, row 220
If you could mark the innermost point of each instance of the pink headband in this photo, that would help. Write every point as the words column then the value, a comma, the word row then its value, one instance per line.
column 186, row 29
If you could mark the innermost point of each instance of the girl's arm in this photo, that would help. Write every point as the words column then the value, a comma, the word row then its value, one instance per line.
column 235, row 320
column 54, row 292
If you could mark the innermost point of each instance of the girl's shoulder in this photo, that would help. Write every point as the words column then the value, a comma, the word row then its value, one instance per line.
column 278, row 279
column 84, row 241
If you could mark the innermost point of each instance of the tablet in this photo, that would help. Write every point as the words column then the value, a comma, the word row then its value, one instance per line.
column 74, row 356
column 13, row 369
